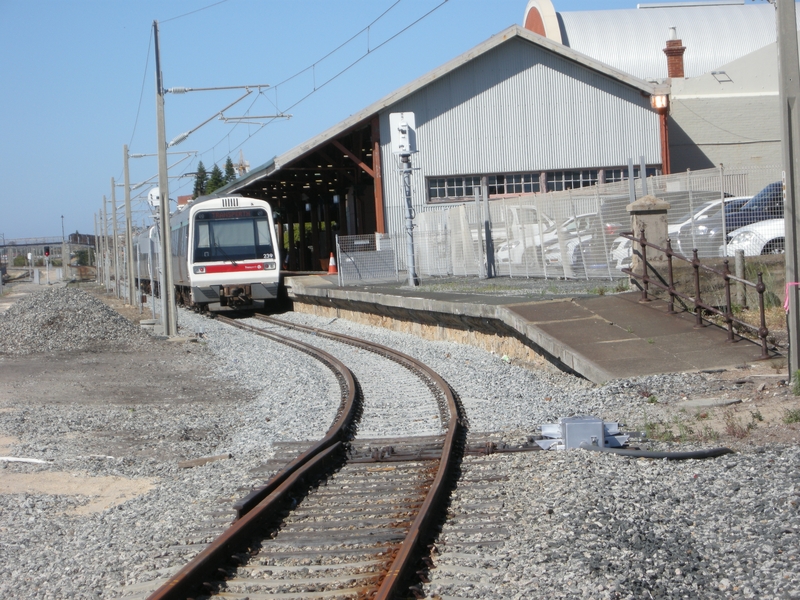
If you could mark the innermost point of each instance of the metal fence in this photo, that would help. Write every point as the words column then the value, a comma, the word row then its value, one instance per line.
column 366, row 258
column 575, row 233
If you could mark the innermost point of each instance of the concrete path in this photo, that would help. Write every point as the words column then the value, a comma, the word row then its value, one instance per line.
column 599, row 337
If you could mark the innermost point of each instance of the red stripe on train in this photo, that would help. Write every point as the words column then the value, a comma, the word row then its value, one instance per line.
column 234, row 268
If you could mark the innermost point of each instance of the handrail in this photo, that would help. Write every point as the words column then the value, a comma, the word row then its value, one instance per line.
column 699, row 305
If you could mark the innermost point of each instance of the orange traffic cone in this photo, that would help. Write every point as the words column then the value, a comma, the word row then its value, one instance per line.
column 332, row 266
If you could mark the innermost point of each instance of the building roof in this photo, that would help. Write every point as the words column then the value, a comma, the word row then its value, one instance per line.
column 512, row 32
column 632, row 40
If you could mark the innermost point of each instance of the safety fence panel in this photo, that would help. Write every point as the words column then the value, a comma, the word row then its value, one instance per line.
column 432, row 245
column 575, row 233
column 366, row 258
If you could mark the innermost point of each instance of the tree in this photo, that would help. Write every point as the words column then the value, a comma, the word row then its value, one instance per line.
column 200, row 181
column 230, row 172
column 84, row 257
column 215, row 181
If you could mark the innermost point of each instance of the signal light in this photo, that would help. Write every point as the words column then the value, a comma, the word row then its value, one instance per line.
column 47, row 250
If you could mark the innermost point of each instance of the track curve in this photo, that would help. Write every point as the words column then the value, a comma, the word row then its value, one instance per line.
column 263, row 507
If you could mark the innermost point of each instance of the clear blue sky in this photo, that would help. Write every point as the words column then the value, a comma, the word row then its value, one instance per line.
column 78, row 84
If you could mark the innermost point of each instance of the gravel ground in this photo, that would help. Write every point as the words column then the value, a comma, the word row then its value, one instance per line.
column 234, row 395
column 65, row 320
column 580, row 521
column 396, row 403
column 589, row 525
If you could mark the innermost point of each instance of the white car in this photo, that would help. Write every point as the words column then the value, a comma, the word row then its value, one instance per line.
column 621, row 253
column 514, row 251
column 762, row 237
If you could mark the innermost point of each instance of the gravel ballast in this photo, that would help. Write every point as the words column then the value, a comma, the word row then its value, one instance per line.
column 580, row 524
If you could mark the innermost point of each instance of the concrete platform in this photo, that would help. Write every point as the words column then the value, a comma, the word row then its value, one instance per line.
column 600, row 337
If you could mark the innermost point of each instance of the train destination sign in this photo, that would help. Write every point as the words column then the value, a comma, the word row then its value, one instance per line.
column 230, row 214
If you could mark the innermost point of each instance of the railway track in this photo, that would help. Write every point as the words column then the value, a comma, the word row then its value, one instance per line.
column 350, row 517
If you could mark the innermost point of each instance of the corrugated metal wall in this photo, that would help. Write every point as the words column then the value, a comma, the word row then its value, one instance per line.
column 517, row 108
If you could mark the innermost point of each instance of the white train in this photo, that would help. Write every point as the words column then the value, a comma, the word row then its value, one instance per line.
column 224, row 254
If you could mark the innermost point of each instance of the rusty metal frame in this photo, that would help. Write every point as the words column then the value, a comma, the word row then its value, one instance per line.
column 699, row 306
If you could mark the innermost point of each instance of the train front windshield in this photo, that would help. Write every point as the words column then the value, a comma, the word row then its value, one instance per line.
column 232, row 235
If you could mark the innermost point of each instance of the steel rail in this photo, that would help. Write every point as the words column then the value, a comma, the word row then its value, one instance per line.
column 413, row 544
column 265, row 502
column 339, row 431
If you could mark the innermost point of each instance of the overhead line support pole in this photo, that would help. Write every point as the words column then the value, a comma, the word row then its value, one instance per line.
column 106, row 273
column 128, row 225
column 168, row 310
column 115, row 234
column 789, row 85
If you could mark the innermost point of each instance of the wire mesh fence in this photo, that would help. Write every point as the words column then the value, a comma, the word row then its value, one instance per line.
column 574, row 233
column 366, row 258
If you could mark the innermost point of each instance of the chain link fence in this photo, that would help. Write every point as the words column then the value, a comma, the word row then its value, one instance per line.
column 366, row 258
column 574, row 234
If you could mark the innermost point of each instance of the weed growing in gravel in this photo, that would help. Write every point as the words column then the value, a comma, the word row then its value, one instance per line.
column 708, row 434
column 600, row 291
column 777, row 365
column 659, row 431
column 792, row 416
column 734, row 428
column 684, row 431
column 757, row 416
column 651, row 341
column 652, row 399
column 622, row 286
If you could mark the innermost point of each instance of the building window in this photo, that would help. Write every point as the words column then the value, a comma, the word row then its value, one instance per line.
column 452, row 188
column 615, row 175
column 463, row 188
column 518, row 183
column 558, row 181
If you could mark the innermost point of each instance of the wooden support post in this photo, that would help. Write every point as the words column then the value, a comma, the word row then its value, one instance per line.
column 326, row 214
column 292, row 262
column 315, row 255
column 302, row 242
column 377, row 177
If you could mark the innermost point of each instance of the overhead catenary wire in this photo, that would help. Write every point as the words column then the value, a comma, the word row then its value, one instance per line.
column 193, row 12
column 316, row 88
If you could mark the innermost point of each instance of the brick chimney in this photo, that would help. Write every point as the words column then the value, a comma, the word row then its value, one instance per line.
column 674, row 52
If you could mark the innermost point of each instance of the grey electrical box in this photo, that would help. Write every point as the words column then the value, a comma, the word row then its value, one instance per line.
column 576, row 430
column 403, row 133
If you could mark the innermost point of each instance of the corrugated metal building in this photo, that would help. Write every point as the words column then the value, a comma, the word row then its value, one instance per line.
column 632, row 40
column 730, row 115
column 529, row 113
column 723, row 107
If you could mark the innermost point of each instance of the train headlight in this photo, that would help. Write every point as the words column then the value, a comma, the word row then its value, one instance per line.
column 270, row 265
column 199, row 270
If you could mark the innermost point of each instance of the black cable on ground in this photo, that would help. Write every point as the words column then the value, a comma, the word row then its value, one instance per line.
column 712, row 453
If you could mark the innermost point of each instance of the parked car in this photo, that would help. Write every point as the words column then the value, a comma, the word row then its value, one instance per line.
column 763, row 237
column 707, row 226
column 766, row 204
column 621, row 253
column 585, row 247
column 515, row 251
